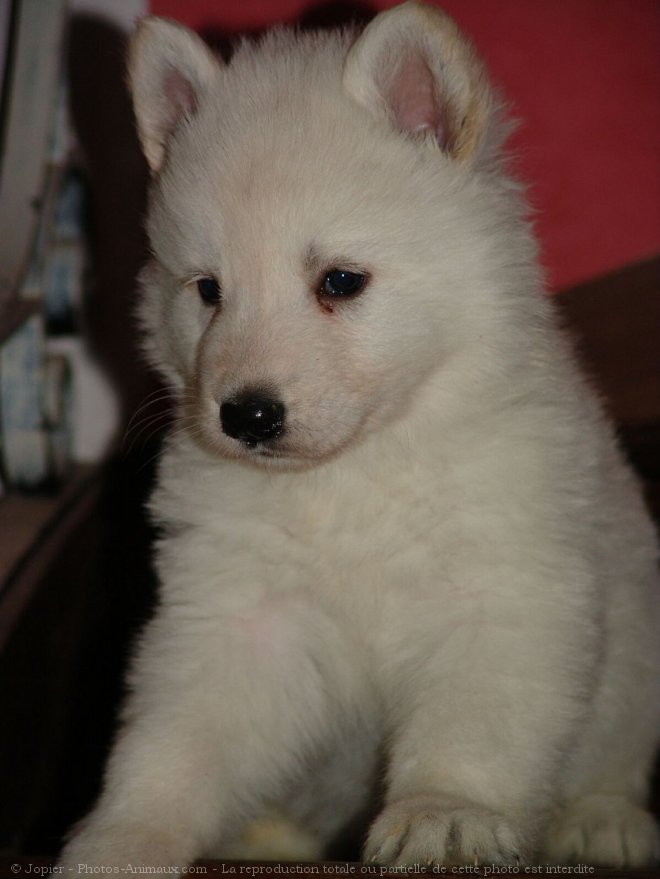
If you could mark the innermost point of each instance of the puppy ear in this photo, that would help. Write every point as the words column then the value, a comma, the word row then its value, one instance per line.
column 413, row 66
column 169, row 69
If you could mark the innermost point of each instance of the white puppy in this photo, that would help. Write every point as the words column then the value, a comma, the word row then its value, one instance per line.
column 397, row 530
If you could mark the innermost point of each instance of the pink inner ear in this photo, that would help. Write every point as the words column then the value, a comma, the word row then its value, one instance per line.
column 414, row 101
column 180, row 97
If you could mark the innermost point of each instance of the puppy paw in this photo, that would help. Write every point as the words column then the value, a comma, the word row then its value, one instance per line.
column 604, row 831
column 430, row 831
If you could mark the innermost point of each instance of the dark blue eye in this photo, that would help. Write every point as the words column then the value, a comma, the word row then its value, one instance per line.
column 209, row 290
column 338, row 282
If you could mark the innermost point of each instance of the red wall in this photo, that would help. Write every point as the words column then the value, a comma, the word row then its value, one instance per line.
column 584, row 78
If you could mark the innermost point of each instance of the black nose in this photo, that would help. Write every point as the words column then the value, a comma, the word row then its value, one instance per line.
column 252, row 418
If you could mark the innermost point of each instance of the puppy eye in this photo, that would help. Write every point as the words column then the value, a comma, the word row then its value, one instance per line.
column 209, row 289
column 338, row 283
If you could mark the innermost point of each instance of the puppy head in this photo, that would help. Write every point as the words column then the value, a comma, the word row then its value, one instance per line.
column 316, row 220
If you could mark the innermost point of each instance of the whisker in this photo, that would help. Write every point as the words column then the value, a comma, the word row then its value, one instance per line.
column 148, row 423
column 161, row 451
column 181, row 423
column 170, row 410
column 162, row 389
column 133, row 424
column 176, row 402
column 168, row 393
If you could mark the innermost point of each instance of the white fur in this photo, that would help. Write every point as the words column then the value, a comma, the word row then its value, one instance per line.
column 443, row 567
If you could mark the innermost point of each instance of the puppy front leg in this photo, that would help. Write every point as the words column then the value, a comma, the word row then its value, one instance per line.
column 163, row 785
column 477, row 739
column 213, row 723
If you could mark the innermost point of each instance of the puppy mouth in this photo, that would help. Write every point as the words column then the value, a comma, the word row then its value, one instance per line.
column 265, row 458
column 279, row 454
column 262, row 452
column 276, row 450
column 257, row 451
